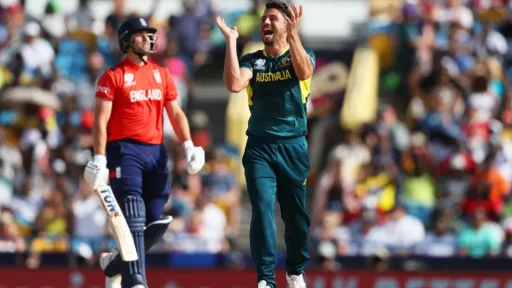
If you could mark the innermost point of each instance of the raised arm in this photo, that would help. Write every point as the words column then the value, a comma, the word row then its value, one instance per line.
column 235, row 78
column 302, row 60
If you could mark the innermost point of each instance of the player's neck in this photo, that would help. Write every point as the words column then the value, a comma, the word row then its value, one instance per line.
column 136, row 59
column 276, row 49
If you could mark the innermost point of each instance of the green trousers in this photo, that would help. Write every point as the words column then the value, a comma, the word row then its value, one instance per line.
column 277, row 168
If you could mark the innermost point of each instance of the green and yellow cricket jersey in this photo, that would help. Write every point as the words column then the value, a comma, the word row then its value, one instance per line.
column 277, row 98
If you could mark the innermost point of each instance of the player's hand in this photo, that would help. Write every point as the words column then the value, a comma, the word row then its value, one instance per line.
column 229, row 33
column 292, row 25
column 96, row 172
column 195, row 158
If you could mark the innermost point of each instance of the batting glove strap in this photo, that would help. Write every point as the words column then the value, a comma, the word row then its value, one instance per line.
column 100, row 160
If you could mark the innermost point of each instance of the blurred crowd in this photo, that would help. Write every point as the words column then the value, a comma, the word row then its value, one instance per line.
column 48, row 72
column 432, row 175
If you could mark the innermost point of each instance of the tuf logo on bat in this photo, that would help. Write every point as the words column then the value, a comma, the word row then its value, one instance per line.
column 111, row 203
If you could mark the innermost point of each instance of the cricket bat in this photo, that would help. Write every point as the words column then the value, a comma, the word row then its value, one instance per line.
column 118, row 223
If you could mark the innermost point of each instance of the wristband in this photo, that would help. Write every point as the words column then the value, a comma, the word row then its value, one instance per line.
column 100, row 160
column 188, row 144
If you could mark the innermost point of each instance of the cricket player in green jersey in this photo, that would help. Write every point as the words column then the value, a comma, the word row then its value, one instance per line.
column 276, row 160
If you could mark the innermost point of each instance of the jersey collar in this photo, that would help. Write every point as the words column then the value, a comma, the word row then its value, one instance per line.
column 130, row 63
column 265, row 53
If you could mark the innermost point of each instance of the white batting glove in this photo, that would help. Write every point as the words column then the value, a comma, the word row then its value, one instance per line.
column 195, row 157
column 96, row 172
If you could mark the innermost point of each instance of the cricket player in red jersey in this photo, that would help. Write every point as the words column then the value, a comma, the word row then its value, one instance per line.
column 128, row 143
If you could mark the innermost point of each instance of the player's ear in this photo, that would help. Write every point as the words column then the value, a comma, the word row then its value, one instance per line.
column 127, row 44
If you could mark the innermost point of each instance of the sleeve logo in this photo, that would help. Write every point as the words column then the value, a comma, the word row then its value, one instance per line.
column 101, row 89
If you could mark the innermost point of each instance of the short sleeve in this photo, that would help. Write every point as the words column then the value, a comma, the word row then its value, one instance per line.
column 171, row 93
column 246, row 61
column 106, row 86
column 463, row 238
column 312, row 57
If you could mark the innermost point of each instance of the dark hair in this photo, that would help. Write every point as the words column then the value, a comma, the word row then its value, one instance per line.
column 279, row 5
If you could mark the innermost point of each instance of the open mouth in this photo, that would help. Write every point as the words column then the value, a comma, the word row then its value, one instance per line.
column 267, row 33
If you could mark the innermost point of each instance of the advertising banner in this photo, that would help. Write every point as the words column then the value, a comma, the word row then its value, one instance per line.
column 170, row 278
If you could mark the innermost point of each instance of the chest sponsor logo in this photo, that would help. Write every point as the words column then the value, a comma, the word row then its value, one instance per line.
column 145, row 95
column 271, row 77
column 129, row 79
column 157, row 76
column 259, row 64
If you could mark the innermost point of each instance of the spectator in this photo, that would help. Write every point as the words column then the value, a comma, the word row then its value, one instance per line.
column 478, row 239
column 400, row 233
column 334, row 232
column 327, row 257
column 11, row 239
column 201, row 135
column 389, row 123
column 190, row 34
column 441, row 242
column 354, row 155
column 419, row 186
column 52, row 225
column 89, row 224
column 107, row 43
column 37, row 53
column 489, row 178
column 180, row 73
column 329, row 193
column 86, row 88
column 375, row 189
column 206, row 231
column 506, row 249
column 483, row 100
column 84, row 16
column 455, row 178
column 248, row 24
column 222, row 188
column 53, row 22
column 25, row 208
column 10, row 166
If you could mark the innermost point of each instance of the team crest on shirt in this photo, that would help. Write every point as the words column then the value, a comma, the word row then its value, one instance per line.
column 285, row 61
column 259, row 64
column 129, row 79
column 157, row 76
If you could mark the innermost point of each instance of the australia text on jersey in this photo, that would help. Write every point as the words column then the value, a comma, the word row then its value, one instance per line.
column 269, row 76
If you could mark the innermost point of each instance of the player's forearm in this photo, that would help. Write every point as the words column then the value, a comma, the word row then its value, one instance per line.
column 99, row 134
column 232, row 75
column 102, row 111
column 180, row 125
column 300, row 58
